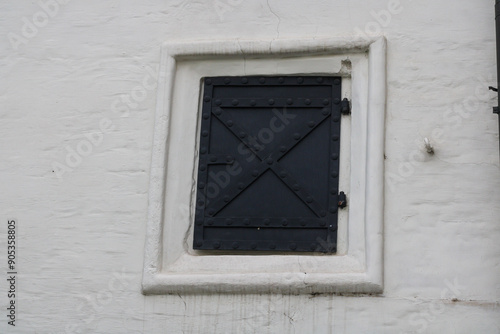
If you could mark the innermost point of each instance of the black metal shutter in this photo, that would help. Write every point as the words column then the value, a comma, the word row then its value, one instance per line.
column 269, row 164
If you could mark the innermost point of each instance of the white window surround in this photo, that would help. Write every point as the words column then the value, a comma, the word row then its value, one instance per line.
column 172, row 266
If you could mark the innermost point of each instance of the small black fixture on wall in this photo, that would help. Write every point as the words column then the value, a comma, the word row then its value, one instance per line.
column 497, row 21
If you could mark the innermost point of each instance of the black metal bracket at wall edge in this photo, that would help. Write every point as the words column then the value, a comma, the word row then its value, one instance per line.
column 497, row 23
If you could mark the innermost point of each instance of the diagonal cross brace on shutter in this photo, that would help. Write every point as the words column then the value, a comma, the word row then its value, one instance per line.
column 268, row 162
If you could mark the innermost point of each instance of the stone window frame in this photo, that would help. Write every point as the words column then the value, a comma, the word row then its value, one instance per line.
column 170, row 263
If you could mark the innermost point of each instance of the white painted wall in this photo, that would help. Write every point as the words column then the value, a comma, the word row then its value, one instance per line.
column 81, row 234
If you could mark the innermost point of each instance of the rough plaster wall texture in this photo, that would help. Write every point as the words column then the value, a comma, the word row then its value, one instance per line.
column 81, row 235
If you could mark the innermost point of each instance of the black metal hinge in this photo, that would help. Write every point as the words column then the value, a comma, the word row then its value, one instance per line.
column 495, row 109
column 345, row 107
column 342, row 200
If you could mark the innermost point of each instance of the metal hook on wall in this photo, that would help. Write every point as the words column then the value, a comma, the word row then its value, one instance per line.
column 428, row 146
